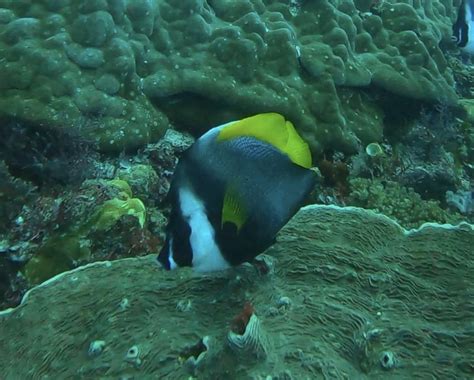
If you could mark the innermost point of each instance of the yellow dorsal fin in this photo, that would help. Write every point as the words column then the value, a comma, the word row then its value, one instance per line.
column 232, row 210
column 273, row 129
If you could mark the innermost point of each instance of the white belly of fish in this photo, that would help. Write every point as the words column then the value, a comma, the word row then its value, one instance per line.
column 207, row 256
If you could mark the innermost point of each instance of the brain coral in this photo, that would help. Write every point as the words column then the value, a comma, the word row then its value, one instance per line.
column 116, row 69
column 354, row 303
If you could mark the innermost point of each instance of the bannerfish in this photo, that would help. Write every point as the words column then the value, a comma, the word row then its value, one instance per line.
column 463, row 28
column 233, row 190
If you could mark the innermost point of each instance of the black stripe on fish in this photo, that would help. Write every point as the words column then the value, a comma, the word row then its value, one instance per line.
column 461, row 27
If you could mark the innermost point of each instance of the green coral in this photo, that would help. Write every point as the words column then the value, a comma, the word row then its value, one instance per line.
column 401, row 203
column 347, row 286
column 143, row 179
column 306, row 65
column 58, row 254
column 14, row 193
column 69, row 65
column 111, row 211
column 116, row 71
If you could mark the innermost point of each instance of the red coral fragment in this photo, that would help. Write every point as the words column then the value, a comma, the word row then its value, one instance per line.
column 239, row 323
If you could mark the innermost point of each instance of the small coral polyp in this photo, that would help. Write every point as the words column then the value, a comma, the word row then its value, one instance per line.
column 240, row 321
column 252, row 342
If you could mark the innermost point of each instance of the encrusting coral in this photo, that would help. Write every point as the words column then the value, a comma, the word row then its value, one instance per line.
column 368, row 300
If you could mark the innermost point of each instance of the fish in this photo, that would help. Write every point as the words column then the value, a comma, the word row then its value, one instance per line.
column 233, row 190
column 463, row 28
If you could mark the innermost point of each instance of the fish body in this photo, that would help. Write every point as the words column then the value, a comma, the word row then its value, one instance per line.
column 463, row 28
column 233, row 190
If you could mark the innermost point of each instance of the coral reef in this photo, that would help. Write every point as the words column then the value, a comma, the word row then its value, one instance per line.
column 346, row 293
column 420, row 174
column 116, row 71
column 14, row 193
column 463, row 75
column 368, row 300
column 45, row 156
column 399, row 202
column 84, row 230
column 428, row 150
column 463, row 201
column 164, row 155
column 70, row 221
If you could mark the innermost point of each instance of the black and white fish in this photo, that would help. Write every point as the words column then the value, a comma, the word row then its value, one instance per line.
column 463, row 28
column 233, row 190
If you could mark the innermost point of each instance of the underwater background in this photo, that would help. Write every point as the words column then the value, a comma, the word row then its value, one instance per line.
column 372, row 279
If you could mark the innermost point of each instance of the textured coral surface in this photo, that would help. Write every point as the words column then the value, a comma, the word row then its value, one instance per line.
column 118, row 69
column 350, row 294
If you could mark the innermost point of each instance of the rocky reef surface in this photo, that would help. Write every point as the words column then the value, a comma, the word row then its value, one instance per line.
column 349, row 294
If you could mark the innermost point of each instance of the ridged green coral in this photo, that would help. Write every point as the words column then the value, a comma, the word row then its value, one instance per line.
column 349, row 292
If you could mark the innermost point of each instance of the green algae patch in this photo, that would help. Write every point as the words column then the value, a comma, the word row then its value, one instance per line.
column 348, row 294
column 58, row 255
